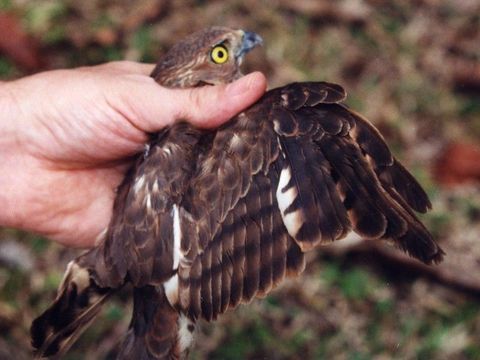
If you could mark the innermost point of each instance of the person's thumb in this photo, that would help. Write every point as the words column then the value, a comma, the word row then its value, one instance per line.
column 205, row 107
column 212, row 106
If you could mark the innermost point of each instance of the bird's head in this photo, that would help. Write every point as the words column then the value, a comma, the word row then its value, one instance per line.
column 208, row 57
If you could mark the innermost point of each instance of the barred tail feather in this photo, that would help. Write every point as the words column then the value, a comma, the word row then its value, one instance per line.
column 78, row 302
column 157, row 331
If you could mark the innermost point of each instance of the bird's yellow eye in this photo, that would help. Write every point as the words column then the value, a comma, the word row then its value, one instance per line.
column 219, row 54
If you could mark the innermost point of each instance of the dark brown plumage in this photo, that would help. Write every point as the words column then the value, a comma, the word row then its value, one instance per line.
column 206, row 220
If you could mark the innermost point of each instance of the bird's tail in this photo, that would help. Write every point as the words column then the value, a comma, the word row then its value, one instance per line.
column 157, row 330
column 78, row 301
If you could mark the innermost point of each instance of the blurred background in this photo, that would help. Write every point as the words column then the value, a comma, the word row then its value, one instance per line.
column 411, row 67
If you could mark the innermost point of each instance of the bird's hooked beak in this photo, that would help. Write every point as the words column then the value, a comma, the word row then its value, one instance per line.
column 249, row 41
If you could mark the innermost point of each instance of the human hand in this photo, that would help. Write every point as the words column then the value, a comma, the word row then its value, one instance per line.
column 68, row 136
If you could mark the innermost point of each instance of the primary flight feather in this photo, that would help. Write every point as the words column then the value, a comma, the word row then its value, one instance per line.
column 208, row 219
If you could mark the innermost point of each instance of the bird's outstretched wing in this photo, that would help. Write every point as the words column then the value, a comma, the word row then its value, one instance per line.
column 209, row 219
column 296, row 170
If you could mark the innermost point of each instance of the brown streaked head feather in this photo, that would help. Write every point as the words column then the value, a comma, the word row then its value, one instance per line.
column 189, row 63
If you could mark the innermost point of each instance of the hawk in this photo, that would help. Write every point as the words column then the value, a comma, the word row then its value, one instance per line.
column 208, row 219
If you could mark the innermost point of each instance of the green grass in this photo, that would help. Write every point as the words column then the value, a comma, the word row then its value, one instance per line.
column 143, row 42
column 7, row 68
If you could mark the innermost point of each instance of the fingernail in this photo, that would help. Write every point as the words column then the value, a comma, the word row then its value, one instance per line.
column 241, row 85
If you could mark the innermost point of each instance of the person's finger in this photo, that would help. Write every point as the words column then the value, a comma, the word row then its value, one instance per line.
column 151, row 107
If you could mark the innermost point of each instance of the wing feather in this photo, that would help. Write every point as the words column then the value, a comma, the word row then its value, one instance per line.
column 254, row 228
column 216, row 274
column 227, row 262
column 239, row 245
column 206, row 283
column 332, row 217
column 280, row 238
column 295, row 170
column 266, row 240
column 396, row 178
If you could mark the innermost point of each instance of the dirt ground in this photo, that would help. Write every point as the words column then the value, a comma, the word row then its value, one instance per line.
column 411, row 67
